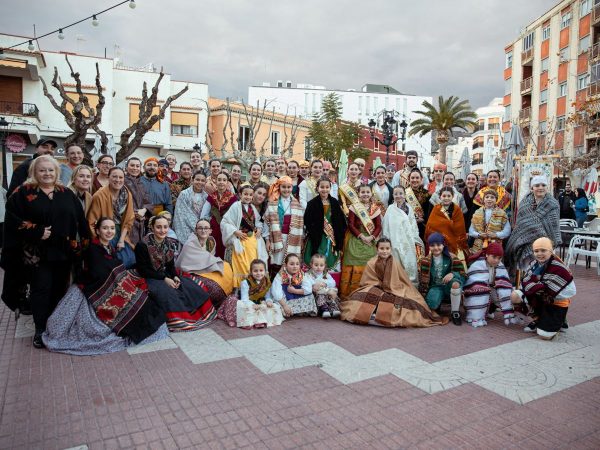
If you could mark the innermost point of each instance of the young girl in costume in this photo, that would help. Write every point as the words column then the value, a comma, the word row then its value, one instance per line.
column 447, row 219
column 488, row 283
column 322, row 285
column 325, row 226
column 288, row 289
column 441, row 276
column 489, row 223
column 548, row 288
column 400, row 226
column 255, row 308
column 386, row 296
column 364, row 227
column 242, row 235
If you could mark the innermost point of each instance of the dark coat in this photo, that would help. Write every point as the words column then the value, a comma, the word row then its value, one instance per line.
column 313, row 221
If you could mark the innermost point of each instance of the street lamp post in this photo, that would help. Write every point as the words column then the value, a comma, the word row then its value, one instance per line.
column 3, row 127
column 389, row 128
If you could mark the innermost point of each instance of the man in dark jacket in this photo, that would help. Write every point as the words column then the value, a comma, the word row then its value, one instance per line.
column 566, row 200
column 43, row 147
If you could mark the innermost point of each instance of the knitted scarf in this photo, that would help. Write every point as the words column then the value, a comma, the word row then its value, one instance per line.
column 533, row 221
column 274, row 217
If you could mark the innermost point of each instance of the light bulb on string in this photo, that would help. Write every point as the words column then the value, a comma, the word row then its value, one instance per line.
column 31, row 47
column 61, row 35
column 132, row 4
column 95, row 21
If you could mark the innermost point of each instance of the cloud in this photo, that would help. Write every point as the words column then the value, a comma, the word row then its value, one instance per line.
column 430, row 47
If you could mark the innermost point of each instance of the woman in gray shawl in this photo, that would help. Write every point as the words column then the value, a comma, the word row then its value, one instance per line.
column 189, row 207
column 141, row 198
column 538, row 216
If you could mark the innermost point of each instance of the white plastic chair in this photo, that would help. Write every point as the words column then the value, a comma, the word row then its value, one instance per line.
column 578, row 246
column 568, row 223
column 594, row 225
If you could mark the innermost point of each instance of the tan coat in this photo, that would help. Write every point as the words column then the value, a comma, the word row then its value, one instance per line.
column 102, row 207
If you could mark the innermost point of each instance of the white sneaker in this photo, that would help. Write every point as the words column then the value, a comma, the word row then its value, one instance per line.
column 336, row 314
column 326, row 315
column 478, row 323
column 490, row 316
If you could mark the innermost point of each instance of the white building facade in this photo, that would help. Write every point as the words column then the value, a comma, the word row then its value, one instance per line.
column 359, row 106
column 31, row 116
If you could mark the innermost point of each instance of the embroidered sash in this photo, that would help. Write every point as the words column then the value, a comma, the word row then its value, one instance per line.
column 412, row 200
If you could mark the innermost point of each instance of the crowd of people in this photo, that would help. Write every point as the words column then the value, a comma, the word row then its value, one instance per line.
column 112, row 256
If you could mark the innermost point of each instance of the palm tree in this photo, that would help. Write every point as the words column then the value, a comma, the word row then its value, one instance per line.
column 450, row 114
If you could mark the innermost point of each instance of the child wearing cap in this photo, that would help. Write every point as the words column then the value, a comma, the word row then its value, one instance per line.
column 547, row 288
column 441, row 276
column 488, row 283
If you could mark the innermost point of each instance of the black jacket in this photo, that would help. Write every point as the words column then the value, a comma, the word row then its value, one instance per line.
column 313, row 221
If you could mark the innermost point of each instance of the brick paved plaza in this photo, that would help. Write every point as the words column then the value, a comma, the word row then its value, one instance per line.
column 314, row 384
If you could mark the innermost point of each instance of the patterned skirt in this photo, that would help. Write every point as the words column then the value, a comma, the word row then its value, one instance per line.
column 237, row 313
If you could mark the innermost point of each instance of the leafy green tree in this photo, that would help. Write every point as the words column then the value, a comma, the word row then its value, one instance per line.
column 450, row 113
column 329, row 134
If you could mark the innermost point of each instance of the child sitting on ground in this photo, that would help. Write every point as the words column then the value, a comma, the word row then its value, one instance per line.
column 547, row 288
column 318, row 281
column 288, row 289
column 488, row 284
column 441, row 276
column 255, row 308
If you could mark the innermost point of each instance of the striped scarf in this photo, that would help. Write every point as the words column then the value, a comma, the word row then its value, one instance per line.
column 294, row 239
column 546, row 281
column 495, row 225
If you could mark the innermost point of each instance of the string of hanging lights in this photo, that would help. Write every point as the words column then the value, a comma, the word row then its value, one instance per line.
column 60, row 31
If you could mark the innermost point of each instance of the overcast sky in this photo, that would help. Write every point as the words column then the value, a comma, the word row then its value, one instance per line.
column 424, row 47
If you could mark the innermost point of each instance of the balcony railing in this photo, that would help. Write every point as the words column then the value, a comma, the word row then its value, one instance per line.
column 596, row 14
column 526, row 85
column 527, row 56
column 19, row 109
column 595, row 51
column 593, row 89
column 525, row 114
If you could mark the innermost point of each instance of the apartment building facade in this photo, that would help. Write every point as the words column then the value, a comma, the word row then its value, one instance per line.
column 550, row 70
column 31, row 116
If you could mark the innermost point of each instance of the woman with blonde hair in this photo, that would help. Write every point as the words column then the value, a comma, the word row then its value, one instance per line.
column 81, row 182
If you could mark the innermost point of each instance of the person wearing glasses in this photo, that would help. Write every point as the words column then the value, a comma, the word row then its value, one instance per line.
column 103, row 165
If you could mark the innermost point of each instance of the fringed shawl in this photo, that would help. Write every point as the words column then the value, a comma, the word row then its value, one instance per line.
column 294, row 239
column 199, row 259
column 533, row 222
column 451, row 227
column 478, row 279
column 495, row 225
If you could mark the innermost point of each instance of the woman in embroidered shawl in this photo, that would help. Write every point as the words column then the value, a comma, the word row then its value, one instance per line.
column 489, row 223
column 400, row 226
column 189, row 207
column 285, row 219
column 538, row 216
column 183, row 182
column 447, row 219
column 364, row 227
column 386, row 296
column 141, row 199
column 108, row 309
column 418, row 199
column 288, row 289
column 547, row 287
column 493, row 182
column 255, row 307
column 348, row 191
column 243, row 234
column 215, row 207
column 186, row 304
column 197, row 260
column 115, row 202
column 325, row 226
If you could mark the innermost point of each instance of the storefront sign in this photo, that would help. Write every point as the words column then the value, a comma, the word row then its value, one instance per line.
column 16, row 143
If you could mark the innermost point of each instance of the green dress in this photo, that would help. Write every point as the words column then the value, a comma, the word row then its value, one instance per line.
column 325, row 247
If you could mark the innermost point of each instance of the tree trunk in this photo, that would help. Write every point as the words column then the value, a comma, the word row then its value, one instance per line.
column 442, row 140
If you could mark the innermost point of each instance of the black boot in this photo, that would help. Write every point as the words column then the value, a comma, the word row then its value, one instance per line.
column 37, row 339
column 456, row 320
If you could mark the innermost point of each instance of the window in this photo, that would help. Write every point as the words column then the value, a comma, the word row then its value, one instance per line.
column 183, row 123
column 528, row 41
column 545, row 65
column 544, row 96
column 243, row 137
column 583, row 81
column 368, row 106
column 360, row 104
column 564, row 55
column 585, row 8
column 543, row 127
column 565, row 20
column 509, row 57
column 507, row 113
column 508, row 86
column 274, row 142
column 562, row 89
column 546, row 32
column 480, row 125
column 306, row 104
column 560, row 123
column 494, row 123
column 375, row 105
column 134, row 113
column 307, row 149
column 594, row 72
column 584, row 44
